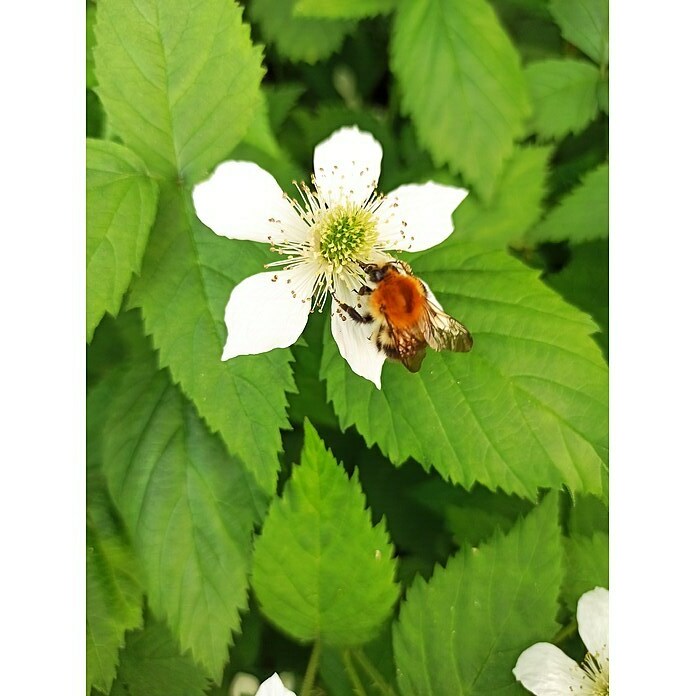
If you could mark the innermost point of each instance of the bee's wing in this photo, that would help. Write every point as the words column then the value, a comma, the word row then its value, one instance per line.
column 440, row 330
column 409, row 347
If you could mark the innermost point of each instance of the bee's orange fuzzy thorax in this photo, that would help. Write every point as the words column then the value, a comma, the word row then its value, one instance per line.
column 400, row 298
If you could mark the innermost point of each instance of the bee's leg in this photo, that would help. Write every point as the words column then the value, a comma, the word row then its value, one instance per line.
column 364, row 290
column 353, row 313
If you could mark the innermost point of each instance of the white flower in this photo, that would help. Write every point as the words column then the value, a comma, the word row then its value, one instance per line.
column 340, row 223
column 545, row 670
column 248, row 685
column 273, row 686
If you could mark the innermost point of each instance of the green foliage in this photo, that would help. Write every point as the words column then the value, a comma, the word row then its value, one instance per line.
column 526, row 409
column 181, row 88
column 584, row 282
column 322, row 572
column 462, row 84
column 515, row 206
column 461, row 633
column 121, row 205
column 192, row 491
column 564, row 96
column 347, row 9
column 585, row 24
column 114, row 591
column 180, row 83
column 189, row 508
column 587, row 516
column 187, row 276
column 582, row 215
column 151, row 665
column 586, row 567
column 296, row 37
column 90, row 17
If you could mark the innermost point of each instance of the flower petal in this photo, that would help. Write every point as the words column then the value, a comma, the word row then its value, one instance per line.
column 593, row 622
column 353, row 341
column 546, row 670
column 273, row 686
column 262, row 313
column 242, row 201
column 243, row 684
column 418, row 216
column 347, row 166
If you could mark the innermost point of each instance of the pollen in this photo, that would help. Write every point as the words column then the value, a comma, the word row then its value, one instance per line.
column 345, row 233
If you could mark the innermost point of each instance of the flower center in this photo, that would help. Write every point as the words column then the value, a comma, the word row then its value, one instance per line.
column 598, row 674
column 345, row 233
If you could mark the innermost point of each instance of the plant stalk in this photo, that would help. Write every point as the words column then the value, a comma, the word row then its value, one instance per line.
column 311, row 672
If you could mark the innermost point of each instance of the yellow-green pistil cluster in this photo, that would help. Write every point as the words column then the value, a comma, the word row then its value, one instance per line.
column 346, row 233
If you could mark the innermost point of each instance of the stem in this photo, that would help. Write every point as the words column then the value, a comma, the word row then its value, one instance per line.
column 311, row 672
column 565, row 632
column 379, row 681
column 352, row 674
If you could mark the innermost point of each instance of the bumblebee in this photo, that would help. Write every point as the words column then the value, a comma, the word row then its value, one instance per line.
column 407, row 316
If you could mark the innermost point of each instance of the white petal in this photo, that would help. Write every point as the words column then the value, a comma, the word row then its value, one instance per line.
column 239, row 200
column 418, row 216
column 354, row 342
column 593, row 622
column 347, row 166
column 273, row 686
column 546, row 670
column 262, row 314
column 244, row 684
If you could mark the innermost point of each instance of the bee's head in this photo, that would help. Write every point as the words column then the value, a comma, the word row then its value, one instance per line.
column 377, row 272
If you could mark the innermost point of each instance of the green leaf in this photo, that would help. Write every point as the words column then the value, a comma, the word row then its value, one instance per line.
column 526, row 409
column 321, row 570
column 564, row 96
column 121, row 205
column 586, row 567
column 587, row 516
column 462, row 84
column 343, row 9
column 299, row 39
column 603, row 94
column 480, row 513
column 584, row 282
column 178, row 79
column 114, row 592
column 516, row 205
column 585, row 24
column 260, row 134
column 282, row 99
column 462, row 632
column 90, row 16
column 187, row 276
column 189, row 508
column 151, row 665
column 581, row 215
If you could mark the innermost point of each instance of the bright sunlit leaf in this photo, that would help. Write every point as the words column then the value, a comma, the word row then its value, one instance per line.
column 179, row 80
column 581, row 215
column 121, row 206
column 321, row 570
column 564, row 96
column 462, row 84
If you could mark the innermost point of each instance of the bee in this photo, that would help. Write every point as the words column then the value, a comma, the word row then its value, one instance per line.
column 407, row 316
